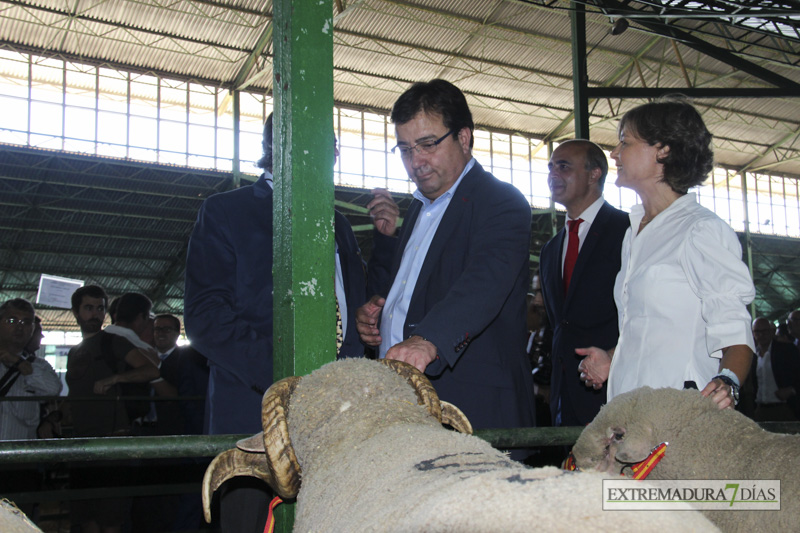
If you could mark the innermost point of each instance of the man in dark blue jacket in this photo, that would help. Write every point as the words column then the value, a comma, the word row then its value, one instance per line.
column 456, row 307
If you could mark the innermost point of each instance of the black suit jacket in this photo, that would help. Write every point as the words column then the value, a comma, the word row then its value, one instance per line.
column 187, row 370
column 785, row 360
column 228, row 300
column 584, row 317
column 469, row 301
column 228, row 303
column 355, row 279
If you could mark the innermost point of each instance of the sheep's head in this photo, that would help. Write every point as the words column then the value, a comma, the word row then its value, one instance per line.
column 270, row 455
column 626, row 430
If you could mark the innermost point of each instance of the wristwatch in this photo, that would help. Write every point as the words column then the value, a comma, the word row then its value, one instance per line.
column 734, row 387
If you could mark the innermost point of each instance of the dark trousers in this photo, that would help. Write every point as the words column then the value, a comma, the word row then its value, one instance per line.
column 244, row 505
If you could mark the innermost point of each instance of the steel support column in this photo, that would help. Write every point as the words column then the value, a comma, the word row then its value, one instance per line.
column 303, row 266
column 553, row 215
column 580, row 78
column 748, row 241
column 235, row 166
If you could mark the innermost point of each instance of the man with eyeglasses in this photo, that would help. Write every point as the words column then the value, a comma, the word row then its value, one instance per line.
column 184, row 369
column 774, row 378
column 21, row 374
column 456, row 307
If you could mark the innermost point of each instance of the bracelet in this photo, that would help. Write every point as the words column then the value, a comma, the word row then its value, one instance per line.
column 727, row 372
column 730, row 383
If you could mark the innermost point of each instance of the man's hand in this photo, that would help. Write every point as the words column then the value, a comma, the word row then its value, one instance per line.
column 594, row 367
column 101, row 386
column 784, row 393
column 367, row 321
column 720, row 393
column 384, row 211
column 25, row 367
column 11, row 360
column 7, row 358
column 415, row 351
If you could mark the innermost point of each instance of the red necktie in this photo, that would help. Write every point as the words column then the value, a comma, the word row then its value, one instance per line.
column 572, row 251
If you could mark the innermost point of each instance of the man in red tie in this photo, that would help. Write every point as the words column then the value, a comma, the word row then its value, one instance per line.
column 578, row 267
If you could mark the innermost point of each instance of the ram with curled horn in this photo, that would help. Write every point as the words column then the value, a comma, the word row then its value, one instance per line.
column 281, row 470
column 367, row 441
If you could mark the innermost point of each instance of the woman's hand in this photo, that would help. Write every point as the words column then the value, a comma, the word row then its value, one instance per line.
column 595, row 365
column 720, row 393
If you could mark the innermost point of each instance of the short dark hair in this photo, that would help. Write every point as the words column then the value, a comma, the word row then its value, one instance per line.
column 672, row 121
column 595, row 158
column 20, row 304
column 438, row 97
column 131, row 305
column 111, row 310
column 172, row 318
column 266, row 146
column 92, row 291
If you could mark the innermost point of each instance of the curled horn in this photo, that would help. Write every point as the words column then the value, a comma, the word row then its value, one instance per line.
column 280, row 470
column 426, row 394
column 281, row 460
column 453, row 417
column 444, row 412
column 230, row 464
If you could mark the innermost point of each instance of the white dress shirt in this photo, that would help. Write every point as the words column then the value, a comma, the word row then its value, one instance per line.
column 681, row 295
column 393, row 317
column 767, row 387
column 19, row 420
column 588, row 216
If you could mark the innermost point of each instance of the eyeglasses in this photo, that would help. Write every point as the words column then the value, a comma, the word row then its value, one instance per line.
column 13, row 321
column 424, row 147
column 164, row 329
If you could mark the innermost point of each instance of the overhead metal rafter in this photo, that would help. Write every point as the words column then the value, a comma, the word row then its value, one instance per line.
column 725, row 17
column 614, row 7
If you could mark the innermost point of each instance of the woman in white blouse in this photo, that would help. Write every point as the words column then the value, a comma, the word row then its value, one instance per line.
column 682, row 290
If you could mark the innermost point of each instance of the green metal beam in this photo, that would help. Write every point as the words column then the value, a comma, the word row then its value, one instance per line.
column 304, row 329
column 790, row 135
column 16, row 452
column 235, row 167
column 748, row 240
column 580, row 77
column 304, row 191
column 243, row 79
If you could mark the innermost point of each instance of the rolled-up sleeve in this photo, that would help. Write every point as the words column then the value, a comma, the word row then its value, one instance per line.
column 712, row 260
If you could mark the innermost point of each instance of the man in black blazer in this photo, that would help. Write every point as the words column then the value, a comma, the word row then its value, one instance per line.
column 774, row 376
column 456, row 306
column 228, row 315
column 581, row 311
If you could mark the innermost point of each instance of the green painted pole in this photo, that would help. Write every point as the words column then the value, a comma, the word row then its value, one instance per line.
column 305, row 319
column 101, row 448
column 748, row 240
column 18, row 452
column 235, row 164
column 580, row 77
